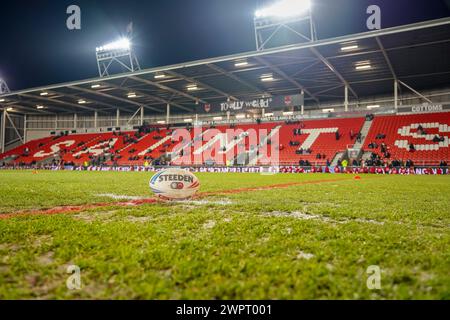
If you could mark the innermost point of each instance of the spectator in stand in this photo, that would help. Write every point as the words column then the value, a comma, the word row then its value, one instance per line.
column 383, row 148
column 373, row 145
column 359, row 137
column 420, row 129
column 412, row 148
column 328, row 163
column 408, row 164
column 344, row 163
column 443, row 166
column 338, row 136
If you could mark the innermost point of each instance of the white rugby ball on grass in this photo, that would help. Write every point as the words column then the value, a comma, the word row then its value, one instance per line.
column 174, row 184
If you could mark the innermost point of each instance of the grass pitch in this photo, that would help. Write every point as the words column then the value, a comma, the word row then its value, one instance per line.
column 306, row 241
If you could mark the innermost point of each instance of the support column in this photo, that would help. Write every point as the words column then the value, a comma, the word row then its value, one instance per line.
column 75, row 121
column 25, row 129
column 142, row 116
column 3, row 126
column 303, row 102
column 346, row 98
column 196, row 118
column 56, row 122
column 168, row 114
column 396, row 94
column 95, row 119
column 118, row 118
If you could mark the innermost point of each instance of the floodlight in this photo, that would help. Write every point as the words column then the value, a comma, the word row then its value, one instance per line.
column 132, row 95
column 123, row 43
column 349, row 47
column 10, row 109
column 95, row 86
column 81, row 101
column 192, row 87
column 363, row 67
column 284, row 8
column 160, row 76
column 114, row 54
column 39, row 107
column 44, row 93
column 267, row 77
column 241, row 63
column 2, row 100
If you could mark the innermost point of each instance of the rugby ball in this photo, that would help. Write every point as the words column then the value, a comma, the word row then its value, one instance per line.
column 174, row 184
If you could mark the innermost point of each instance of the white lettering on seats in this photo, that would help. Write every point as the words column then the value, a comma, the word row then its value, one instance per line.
column 54, row 149
column 156, row 145
column 221, row 137
column 405, row 131
column 98, row 148
column 313, row 135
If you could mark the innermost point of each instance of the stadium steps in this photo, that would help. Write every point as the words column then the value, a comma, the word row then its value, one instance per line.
column 337, row 157
column 364, row 132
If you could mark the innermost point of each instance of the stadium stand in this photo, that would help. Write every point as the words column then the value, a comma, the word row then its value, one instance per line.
column 32, row 147
column 421, row 138
column 404, row 137
column 319, row 140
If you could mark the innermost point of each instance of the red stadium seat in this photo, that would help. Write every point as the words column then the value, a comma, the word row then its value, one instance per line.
column 402, row 130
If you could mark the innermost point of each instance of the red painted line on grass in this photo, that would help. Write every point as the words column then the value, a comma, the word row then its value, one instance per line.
column 275, row 186
column 76, row 209
column 80, row 208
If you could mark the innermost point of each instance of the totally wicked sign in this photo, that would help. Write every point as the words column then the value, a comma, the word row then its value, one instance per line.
column 272, row 103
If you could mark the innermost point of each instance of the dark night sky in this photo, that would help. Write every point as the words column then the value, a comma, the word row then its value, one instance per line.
column 37, row 49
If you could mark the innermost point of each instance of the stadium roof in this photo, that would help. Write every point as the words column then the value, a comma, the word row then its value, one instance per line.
column 416, row 54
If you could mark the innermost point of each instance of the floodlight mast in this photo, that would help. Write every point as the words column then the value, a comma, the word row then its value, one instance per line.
column 294, row 17
column 119, row 53
column 3, row 87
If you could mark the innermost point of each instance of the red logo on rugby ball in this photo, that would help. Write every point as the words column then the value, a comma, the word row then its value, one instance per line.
column 177, row 185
